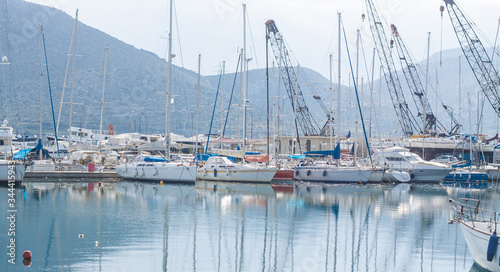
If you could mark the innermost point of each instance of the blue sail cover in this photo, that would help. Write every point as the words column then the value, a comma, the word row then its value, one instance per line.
column 335, row 153
column 21, row 155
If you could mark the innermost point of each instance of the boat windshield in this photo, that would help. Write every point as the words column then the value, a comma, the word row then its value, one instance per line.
column 412, row 158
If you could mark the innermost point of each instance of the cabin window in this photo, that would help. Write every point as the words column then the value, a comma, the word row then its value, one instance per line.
column 2, row 142
column 308, row 145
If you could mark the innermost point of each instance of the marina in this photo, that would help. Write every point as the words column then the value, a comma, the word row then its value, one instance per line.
column 134, row 160
column 130, row 226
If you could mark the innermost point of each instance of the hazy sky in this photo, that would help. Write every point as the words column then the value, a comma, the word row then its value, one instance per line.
column 213, row 28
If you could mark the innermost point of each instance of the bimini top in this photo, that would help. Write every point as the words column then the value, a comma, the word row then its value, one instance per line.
column 155, row 159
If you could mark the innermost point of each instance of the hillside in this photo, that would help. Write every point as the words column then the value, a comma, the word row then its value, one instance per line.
column 136, row 83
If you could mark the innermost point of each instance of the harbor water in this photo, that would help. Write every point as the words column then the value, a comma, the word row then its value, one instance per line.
column 137, row 226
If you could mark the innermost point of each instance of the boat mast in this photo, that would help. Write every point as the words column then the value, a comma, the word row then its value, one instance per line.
column 222, row 104
column 41, row 95
column 245, row 79
column 169, row 85
column 356, row 112
column 198, row 105
column 338, row 87
column 103, row 88
column 72, row 84
column 331, row 102
column 425, row 94
column 73, row 39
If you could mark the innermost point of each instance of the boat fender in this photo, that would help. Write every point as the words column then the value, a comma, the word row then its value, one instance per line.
column 136, row 173
column 142, row 172
column 155, row 172
column 227, row 172
column 125, row 169
column 324, row 173
column 308, row 172
column 492, row 246
column 215, row 173
column 297, row 173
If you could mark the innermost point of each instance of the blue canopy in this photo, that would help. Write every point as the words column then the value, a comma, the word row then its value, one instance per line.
column 155, row 159
column 335, row 153
column 297, row 156
column 21, row 155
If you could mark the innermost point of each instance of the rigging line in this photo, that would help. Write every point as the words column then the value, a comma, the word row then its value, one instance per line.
column 50, row 92
column 231, row 97
column 178, row 34
column 213, row 112
column 253, row 44
column 93, row 94
column 357, row 96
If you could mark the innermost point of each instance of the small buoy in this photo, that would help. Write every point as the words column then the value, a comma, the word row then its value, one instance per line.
column 161, row 183
column 81, row 235
column 99, row 184
column 96, row 243
column 492, row 247
column 27, row 262
column 27, row 254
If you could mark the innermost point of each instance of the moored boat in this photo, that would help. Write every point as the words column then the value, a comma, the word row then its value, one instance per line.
column 218, row 168
column 479, row 227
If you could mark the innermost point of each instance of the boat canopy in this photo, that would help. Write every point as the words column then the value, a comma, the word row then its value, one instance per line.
column 21, row 155
column 335, row 153
column 155, row 159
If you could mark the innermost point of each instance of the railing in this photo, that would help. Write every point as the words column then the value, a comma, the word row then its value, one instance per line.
column 469, row 210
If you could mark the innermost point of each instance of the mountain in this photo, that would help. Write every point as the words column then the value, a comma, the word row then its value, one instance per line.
column 136, row 84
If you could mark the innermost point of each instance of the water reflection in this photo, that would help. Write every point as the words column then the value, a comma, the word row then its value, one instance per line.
column 132, row 226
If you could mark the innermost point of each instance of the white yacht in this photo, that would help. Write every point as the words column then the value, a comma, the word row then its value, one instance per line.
column 151, row 168
column 399, row 158
column 218, row 168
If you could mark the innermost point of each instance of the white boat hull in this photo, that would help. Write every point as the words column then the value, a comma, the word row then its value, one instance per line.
column 332, row 174
column 393, row 175
column 477, row 239
column 16, row 173
column 258, row 175
column 166, row 172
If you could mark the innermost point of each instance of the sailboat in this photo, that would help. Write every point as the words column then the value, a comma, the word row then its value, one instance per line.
column 153, row 168
column 219, row 168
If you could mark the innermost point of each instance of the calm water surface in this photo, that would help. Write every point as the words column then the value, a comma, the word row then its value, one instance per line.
column 131, row 226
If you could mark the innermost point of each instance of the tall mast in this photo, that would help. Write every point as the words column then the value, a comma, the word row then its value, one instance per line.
column 41, row 95
column 169, row 85
column 72, row 83
column 198, row 104
column 73, row 40
column 338, row 88
column 425, row 94
column 103, row 88
column 222, row 104
column 331, row 102
column 356, row 112
column 245, row 70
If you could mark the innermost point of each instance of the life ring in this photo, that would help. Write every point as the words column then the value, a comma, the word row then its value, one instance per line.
column 324, row 173
column 308, row 172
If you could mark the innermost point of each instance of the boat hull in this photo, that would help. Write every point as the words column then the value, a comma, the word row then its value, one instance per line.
column 477, row 241
column 283, row 176
column 16, row 174
column 166, row 172
column 237, row 175
column 396, row 176
column 332, row 174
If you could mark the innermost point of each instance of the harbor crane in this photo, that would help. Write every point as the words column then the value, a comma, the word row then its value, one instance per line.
column 303, row 117
column 325, row 131
column 406, row 119
column 416, row 87
column 476, row 55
